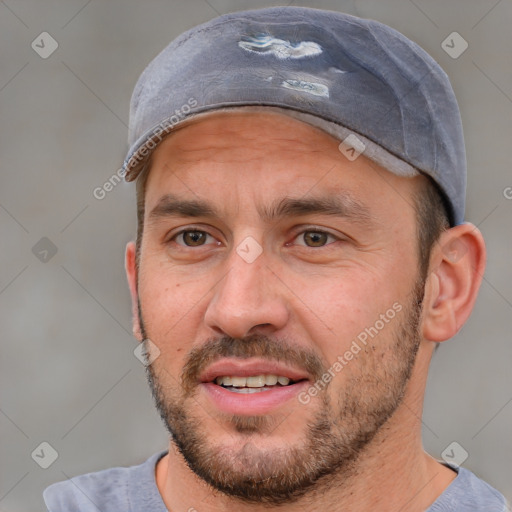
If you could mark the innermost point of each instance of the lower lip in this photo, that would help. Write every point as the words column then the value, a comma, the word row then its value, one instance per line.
column 250, row 404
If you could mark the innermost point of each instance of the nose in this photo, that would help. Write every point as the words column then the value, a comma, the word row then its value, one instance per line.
column 249, row 298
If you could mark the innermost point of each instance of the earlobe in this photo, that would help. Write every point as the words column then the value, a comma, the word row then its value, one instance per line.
column 458, row 264
column 131, row 275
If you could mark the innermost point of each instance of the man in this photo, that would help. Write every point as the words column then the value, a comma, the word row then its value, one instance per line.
column 301, row 251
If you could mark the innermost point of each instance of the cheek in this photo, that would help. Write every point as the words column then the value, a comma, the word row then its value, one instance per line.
column 169, row 311
column 160, row 302
column 339, row 309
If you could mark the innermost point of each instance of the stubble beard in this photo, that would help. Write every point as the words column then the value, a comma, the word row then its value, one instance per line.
column 333, row 439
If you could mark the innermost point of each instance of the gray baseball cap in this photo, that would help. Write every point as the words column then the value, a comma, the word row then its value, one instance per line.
column 357, row 79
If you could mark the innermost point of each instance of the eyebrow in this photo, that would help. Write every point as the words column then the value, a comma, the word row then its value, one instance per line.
column 339, row 205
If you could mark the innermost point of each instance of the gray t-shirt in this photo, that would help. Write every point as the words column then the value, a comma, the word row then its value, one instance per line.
column 134, row 489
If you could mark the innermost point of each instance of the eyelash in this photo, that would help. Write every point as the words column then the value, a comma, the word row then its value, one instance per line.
column 310, row 230
column 189, row 230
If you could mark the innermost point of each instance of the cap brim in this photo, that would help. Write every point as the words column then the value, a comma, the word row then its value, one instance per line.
column 147, row 143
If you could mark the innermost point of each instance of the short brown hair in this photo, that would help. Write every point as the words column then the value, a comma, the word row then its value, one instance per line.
column 140, row 187
column 432, row 218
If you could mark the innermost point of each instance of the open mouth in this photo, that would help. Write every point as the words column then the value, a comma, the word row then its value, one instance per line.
column 251, row 386
column 254, row 384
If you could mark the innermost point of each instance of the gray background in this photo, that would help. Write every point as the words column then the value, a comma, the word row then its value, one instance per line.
column 68, row 375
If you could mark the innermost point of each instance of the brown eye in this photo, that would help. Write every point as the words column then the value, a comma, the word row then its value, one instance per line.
column 315, row 238
column 192, row 238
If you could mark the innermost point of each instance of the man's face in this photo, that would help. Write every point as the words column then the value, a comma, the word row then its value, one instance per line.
column 275, row 279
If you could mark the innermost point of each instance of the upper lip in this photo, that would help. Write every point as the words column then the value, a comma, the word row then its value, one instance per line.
column 247, row 368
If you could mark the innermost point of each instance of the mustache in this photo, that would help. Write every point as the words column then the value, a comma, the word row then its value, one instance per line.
column 255, row 345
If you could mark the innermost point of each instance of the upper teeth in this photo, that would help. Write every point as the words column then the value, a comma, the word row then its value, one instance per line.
column 256, row 381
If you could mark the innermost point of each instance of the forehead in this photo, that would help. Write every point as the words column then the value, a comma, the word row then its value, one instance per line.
column 229, row 130
column 243, row 153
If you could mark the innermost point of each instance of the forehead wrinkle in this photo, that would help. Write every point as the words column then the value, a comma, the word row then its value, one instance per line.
column 201, row 157
column 248, row 129
column 271, row 146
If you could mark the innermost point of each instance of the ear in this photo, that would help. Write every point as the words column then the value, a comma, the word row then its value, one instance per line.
column 457, row 266
column 131, row 275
